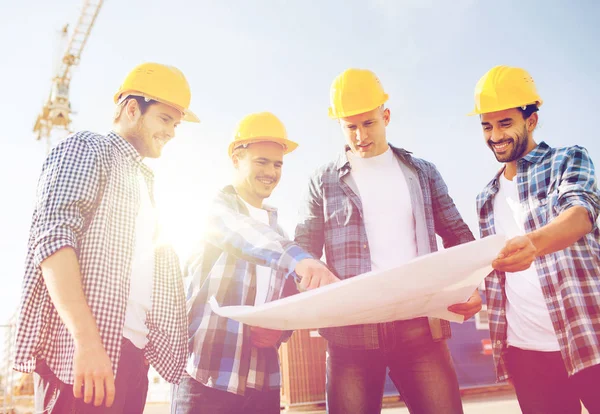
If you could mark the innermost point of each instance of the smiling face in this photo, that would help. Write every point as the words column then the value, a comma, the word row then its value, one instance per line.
column 257, row 170
column 365, row 133
column 508, row 134
column 148, row 127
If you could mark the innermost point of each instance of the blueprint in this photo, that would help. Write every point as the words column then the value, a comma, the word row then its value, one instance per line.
column 425, row 286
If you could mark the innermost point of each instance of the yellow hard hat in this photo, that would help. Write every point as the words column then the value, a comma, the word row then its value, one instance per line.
column 355, row 91
column 505, row 87
column 162, row 83
column 260, row 127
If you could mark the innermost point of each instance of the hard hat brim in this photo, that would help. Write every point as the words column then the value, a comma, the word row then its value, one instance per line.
column 189, row 116
column 477, row 112
column 288, row 145
column 346, row 114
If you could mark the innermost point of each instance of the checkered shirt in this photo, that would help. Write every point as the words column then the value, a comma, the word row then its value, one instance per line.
column 87, row 199
column 331, row 219
column 224, row 266
column 550, row 181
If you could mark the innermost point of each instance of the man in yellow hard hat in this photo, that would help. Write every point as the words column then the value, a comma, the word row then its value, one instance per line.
column 544, row 296
column 244, row 259
column 373, row 208
column 100, row 297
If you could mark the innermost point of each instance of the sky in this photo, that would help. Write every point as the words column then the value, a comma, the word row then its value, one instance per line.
column 281, row 56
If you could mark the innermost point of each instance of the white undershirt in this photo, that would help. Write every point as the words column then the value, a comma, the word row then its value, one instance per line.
column 263, row 273
column 387, row 209
column 142, row 271
column 529, row 324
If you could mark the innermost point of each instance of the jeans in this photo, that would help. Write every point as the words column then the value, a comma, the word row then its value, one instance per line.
column 543, row 385
column 193, row 397
column 131, row 388
column 421, row 369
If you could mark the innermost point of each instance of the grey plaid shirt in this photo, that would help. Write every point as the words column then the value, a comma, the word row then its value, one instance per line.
column 87, row 199
column 332, row 219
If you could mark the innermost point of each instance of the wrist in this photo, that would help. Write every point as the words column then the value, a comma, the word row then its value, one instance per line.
column 535, row 240
column 87, row 338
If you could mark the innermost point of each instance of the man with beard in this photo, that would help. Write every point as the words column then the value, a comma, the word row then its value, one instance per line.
column 375, row 207
column 101, row 300
column 243, row 259
column 544, row 295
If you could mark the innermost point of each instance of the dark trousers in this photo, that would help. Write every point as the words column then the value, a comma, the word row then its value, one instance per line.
column 193, row 397
column 543, row 385
column 421, row 369
column 131, row 388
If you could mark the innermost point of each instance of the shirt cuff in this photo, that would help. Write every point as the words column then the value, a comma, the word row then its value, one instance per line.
column 49, row 245
column 290, row 259
column 581, row 201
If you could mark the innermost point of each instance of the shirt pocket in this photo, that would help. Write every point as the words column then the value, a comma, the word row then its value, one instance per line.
column 539, row 206
column 340, row 214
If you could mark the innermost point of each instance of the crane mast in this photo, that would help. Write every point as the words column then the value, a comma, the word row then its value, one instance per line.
column 56, row 111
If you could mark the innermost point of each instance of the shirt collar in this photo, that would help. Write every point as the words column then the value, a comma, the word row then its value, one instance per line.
column 124, row 146
column 230, row 189
column 537, row 154
column 342, row 163
column 534, row 156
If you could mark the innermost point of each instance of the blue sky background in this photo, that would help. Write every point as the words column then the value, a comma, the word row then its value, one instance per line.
column 281, row 56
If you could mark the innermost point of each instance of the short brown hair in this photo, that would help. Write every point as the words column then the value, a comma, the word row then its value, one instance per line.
column 143, row 104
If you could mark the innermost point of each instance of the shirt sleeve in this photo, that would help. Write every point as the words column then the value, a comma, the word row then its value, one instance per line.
column 251, row 240
column 66, row 195
column 448, row 221
column 310, row 230
column 577, row 185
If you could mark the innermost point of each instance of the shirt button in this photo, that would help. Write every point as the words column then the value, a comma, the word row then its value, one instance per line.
column 498, row 343
column 364, row 246
column 502, row 312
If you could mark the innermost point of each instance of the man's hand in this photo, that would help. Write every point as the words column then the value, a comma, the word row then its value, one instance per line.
column 469, row 308
column 314, row 274
column 93, row 373
column 263, row 337
column 517, row 254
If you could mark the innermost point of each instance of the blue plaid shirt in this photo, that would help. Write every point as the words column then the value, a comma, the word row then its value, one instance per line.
column 224, row 266
column 550, row 181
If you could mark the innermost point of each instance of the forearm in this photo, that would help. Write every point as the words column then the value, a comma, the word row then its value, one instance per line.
column 570, row 226
column 250, row 240
column 63, row 281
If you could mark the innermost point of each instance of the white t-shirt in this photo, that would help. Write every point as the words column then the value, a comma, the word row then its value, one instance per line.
column 142, row 271
column 263, row 273
column 387, row 209
column 529, row 324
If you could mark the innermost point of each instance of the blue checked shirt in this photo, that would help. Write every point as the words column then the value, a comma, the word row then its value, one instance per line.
column 87, row 199
column 331, row 220
column 550, row 181
column 224, row 265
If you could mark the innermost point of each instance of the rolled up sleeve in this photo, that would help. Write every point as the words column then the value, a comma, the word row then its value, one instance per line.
column 66, row 194
column 578, row 185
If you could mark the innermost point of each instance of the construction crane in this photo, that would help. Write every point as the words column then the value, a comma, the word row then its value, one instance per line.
column 56, row 112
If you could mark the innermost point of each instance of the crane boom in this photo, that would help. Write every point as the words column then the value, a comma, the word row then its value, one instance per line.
column 56, row 112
